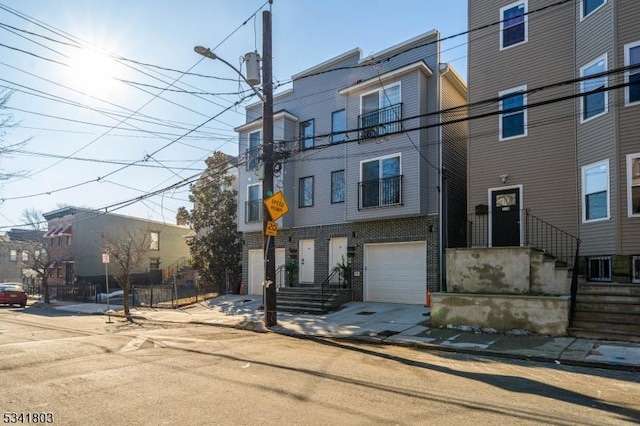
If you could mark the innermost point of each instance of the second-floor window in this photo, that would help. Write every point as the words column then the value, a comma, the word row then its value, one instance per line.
column 381, row 111
column 13, row 255
column 513, row 120
column 593, row 104
column 253, row 152
column 307, row 130
column 595, row 191
column 154, row 243
column 337, row 186
column 25, row 257
column 633, row 189
column 513, row 24
column 381, row 182
column 305, row 194
column 632, row 77
column 254, row 203
column 338, row 126
column 68, row 240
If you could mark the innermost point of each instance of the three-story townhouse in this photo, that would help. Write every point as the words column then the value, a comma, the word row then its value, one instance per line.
column 369, row 172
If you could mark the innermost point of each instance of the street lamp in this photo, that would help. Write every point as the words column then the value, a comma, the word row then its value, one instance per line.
column 268, row 243
column 252, row 58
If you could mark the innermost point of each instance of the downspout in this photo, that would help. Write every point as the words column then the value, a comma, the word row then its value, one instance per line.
column 442, row 208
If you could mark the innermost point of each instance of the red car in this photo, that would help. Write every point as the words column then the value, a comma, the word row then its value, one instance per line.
column 12, row 294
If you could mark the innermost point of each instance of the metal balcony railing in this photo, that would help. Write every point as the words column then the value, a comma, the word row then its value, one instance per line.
column 253, row 211
column 380, row 192
column 380, row 122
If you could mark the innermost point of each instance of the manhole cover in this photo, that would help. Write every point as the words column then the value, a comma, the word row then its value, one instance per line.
column 365, row 313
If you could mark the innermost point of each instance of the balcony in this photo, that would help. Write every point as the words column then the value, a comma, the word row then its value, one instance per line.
column 380, row 192
column 381, row 122
column 253, row 211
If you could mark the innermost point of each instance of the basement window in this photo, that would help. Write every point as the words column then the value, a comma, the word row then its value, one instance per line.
column 600, row 268
column 635, row 269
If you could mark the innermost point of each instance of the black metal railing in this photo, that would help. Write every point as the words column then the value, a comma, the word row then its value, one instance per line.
column 574, row 284
column 339, row 279
column 252, row 158
column 380, row 192
column 380, row 122
column 529, row 231
column 253, row 211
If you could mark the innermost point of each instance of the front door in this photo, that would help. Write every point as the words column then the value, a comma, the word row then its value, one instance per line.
column 337, row 254
column 505, row 217
column 307, row 261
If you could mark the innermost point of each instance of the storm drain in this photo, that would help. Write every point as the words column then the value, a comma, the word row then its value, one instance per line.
column 387, row 333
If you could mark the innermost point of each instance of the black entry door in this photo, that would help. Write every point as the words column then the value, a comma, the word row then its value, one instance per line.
column 505, row 217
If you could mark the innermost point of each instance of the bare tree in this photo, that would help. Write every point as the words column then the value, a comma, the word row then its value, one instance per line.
column 6, row 122
column 127, row 250
column 34, row 219
column 43, row 261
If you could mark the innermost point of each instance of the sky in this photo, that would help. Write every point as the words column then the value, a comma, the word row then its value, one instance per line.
column 104, row 115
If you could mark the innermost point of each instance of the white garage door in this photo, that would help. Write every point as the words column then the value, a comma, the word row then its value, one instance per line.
column 395, row 272
column 256, row 269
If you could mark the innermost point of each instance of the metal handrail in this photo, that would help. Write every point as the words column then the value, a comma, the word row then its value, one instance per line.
column 175, row 267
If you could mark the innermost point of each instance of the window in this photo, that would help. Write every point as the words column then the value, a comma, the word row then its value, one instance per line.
column 52, row 243
column 513, row 24
column 600, row 268
column 68, row 240
column 635, row 269
column 253, row 153
column 593, row 104
column 513, row 120
column 380, row 112
column 59, row 272
column 337, row 186
column 254, row 203
column 154, row 263
column 305, row 194
column 632, row 77
column 381, row 182
column 633, row 184
column 25, row 257
column 59, row 241
column 338, row 124
column 154, row 238
column 13, row 256
column 595, row 191
column 589, row 6
column 306, row 134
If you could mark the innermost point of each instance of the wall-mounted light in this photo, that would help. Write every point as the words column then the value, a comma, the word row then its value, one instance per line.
column 503, row 177
column 290, row 238
column 354, row 234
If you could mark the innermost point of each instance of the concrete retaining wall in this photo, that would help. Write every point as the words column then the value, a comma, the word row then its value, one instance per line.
column 541, row 314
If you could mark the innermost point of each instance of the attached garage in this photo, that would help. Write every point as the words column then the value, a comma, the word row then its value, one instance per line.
column 395, row 272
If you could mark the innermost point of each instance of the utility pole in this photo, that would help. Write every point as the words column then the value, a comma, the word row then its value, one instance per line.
column 270, row 305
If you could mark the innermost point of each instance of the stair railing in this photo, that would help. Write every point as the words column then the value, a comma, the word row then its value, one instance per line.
column 175, row 267
column 281, row 274
column 344, row 281
column 550, row 239
column 574, row 285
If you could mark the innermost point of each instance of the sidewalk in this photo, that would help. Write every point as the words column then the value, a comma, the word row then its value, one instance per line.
column 389, row 323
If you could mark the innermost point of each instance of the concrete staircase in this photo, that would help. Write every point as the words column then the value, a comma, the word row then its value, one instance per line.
column 607, row 311
column 311, row 300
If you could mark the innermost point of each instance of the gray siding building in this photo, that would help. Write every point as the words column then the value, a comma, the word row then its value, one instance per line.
column 364, row 163
column 555, row 143
column 74, row 235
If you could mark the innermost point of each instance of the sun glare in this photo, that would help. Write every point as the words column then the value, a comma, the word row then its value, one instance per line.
column 93, row 72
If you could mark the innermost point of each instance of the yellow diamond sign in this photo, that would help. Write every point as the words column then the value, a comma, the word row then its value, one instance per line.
column 276, row 205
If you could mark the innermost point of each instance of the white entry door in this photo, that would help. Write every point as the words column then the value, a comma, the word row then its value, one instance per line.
column 337, row 252
column 306, row 256
column 256, row 269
